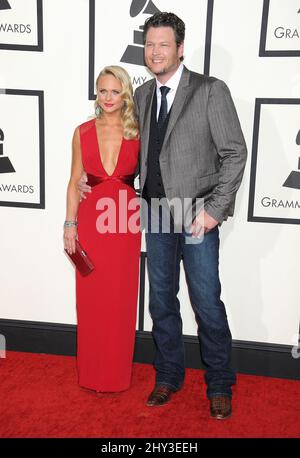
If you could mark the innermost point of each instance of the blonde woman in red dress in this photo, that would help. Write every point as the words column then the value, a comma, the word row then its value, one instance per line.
column 106, row 224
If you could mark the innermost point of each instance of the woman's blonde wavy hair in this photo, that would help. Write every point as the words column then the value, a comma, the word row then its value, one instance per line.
column 129, row 120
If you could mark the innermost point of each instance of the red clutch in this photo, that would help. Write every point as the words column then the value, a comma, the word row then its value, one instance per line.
column 81, row 260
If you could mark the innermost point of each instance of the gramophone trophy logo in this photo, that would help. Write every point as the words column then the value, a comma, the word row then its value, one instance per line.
column 21, row 28
column 280, row 29
column 4, row 5
column 5, row 164
column 293, row 180
column 134, row 54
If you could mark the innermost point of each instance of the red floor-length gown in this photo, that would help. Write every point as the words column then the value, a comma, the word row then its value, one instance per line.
column 107, row 298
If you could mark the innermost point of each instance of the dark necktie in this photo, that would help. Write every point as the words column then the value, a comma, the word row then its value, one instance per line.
column 163, row 112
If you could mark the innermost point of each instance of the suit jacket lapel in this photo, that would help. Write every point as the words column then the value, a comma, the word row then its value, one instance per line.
column 180, row 97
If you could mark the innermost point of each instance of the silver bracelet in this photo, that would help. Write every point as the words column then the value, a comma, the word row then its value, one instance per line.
column 70, row 224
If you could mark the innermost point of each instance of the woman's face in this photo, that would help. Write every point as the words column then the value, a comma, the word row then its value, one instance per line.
column 109, row 96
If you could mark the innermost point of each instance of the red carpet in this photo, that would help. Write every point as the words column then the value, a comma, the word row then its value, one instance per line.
column 39, row 397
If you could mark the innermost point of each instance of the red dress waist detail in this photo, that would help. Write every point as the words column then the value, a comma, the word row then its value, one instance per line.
column 93, row 180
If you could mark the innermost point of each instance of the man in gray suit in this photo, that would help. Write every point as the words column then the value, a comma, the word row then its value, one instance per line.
column 192, row 147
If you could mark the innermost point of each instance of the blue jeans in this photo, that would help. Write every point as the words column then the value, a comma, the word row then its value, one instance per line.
column 201, row 264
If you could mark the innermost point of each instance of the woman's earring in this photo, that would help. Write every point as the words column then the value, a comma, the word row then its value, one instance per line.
column 98, row 111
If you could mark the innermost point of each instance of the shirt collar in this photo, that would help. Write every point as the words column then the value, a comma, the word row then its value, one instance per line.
column 173, row 82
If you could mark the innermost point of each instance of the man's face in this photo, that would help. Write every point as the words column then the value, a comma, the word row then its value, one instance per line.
column 162, row 56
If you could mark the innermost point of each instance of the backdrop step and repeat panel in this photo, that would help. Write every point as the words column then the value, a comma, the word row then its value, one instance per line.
column 51, row 52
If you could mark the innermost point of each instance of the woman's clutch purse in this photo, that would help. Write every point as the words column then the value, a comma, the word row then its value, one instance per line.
column 81, row 260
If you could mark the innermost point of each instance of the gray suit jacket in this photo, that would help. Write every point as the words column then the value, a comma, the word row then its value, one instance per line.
column 204, row 151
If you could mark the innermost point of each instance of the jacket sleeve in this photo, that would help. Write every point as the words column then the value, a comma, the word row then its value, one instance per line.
column 231, row 148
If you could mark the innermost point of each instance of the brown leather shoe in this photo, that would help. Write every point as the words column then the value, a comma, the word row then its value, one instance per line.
column 159, row 396
column 220, row 407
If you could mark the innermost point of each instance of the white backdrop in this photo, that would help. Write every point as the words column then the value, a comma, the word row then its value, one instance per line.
column 259, row 261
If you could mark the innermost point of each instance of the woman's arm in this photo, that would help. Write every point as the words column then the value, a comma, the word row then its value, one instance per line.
column 73, row 195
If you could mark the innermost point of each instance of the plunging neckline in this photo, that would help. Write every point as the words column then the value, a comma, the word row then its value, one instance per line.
column 100, row 157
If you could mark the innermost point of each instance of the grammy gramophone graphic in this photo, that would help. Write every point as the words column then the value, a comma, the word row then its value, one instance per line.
column 5, row 164
column 293, row 180
column 4, row 5
column 134, row 54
